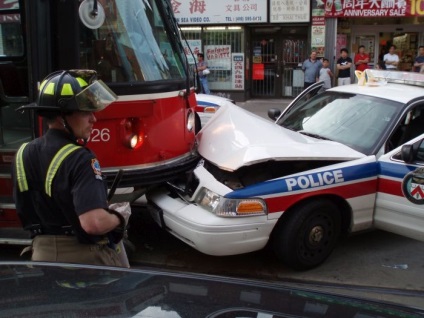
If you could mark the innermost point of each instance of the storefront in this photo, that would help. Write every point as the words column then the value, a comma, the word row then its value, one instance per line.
column 254, row 48
column 377, row 25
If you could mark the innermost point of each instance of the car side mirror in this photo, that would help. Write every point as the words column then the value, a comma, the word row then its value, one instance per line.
column 407, row 153
column 274, row 113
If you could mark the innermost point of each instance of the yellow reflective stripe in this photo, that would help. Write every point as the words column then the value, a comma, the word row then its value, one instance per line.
column 81, row 82
column 67, row 90
column 20, row 170
column 49, row 89
column 55, row 164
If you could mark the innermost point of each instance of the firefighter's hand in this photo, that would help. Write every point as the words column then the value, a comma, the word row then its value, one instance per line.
column 123, row 208
column 117, row 235
column 119, row 232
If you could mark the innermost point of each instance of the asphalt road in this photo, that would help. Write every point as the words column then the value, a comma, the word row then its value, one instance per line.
column 378, row 264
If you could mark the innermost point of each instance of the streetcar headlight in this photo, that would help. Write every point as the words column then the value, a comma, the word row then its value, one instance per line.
column 226, row 207
column 190, row 121
column 133, row 136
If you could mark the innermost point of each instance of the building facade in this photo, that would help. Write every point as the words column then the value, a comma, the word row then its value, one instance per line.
column 255, row 48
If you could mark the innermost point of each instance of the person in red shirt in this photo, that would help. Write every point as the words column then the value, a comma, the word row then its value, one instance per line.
column 361, row 59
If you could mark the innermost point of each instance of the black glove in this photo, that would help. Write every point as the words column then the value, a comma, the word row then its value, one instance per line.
column 119, row 232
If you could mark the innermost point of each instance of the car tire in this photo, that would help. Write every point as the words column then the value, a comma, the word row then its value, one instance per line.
column 307, row 237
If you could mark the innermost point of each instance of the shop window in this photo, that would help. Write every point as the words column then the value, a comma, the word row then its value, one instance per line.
column 406, row 45
column 218, row 44
column 11, row 39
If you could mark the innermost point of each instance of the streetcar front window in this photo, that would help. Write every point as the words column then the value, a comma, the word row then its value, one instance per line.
column 132, row 45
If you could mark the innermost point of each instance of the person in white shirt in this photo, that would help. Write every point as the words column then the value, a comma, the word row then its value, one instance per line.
column 325, row 74
column 391, row 59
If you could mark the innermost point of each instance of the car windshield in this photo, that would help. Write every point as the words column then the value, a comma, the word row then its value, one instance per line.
column 357, row 121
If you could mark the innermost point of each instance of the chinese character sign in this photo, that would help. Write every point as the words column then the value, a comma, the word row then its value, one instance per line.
column 237, row 71
column 219, row 11
column 374, row 8
column 195, row 46
column 282, row 11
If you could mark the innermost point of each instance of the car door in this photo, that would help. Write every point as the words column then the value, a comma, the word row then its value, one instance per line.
column 400, row 193
column 309, row 92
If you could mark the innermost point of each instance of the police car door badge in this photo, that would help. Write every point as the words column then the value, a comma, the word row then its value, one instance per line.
column 413, row 186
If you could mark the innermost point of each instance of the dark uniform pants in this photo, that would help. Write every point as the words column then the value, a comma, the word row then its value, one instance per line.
column 67, row 249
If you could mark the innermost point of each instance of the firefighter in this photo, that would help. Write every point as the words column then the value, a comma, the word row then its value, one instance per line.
column 59, row 190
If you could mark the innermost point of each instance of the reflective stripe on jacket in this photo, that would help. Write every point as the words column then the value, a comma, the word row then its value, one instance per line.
column 57, row 160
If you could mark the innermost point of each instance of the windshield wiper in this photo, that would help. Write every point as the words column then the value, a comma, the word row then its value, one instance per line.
column 303, row 132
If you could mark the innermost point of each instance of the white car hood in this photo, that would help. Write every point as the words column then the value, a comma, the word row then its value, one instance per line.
column 235, row 137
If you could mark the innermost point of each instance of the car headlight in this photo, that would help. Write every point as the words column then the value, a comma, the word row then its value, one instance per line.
column 225, row 207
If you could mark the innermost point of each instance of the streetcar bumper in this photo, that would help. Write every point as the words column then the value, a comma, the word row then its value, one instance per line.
column 150, row 174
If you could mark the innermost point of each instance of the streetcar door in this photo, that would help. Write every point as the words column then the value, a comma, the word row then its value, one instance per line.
column 14, row 127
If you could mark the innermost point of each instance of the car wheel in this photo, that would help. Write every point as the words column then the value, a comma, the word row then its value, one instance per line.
column 308, row 236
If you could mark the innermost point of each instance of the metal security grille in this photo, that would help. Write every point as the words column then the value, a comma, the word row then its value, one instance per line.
column 264, row 53
column 232, row 36
column 192, row 34
column 294, row 53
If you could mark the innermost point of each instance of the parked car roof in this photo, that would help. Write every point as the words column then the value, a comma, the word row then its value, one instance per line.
column 59, row 290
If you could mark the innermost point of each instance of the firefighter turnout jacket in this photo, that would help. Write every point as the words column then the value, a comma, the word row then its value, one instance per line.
column 55, row 181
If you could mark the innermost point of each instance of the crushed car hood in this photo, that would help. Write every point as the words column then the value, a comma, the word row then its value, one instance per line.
column 235, row 138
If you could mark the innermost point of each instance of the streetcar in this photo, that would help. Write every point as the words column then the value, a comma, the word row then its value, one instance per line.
column 136, row 49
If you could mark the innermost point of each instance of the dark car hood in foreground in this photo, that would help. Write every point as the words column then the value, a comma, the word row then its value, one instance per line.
column 63, row 290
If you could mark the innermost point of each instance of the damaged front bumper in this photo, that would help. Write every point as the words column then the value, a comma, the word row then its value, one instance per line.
column 204, row 230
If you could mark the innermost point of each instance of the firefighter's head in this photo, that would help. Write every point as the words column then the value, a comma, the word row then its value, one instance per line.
column 68, row 99
column 64, row 92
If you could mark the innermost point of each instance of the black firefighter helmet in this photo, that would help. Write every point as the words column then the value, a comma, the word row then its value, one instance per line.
column 69, row 91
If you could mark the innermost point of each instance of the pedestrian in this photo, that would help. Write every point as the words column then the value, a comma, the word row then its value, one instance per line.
column 419, row 60
column 380, row 65
column 391, row 59
column 382, row 53
column 325, row 74
column 343, row 66
column 202, row 69
column 361, row 59
column 311, row 68
column 59, row 190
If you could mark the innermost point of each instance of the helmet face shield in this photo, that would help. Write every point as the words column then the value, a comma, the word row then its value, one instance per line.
column 95, row 97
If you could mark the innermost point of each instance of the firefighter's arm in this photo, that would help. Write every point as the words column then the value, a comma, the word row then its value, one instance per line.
column 101, row 221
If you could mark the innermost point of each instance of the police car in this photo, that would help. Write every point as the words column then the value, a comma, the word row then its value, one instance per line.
column 346, row 160
column 208, row 105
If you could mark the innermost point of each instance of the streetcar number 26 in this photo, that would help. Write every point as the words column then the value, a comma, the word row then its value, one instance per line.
column 98, row 135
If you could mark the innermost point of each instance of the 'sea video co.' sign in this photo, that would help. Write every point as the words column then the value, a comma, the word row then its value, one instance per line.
column 219, row 12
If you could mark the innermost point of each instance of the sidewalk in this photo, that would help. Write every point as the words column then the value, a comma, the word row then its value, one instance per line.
column 260, row 106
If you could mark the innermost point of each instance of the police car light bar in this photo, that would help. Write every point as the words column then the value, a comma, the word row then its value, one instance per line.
column 409, row 78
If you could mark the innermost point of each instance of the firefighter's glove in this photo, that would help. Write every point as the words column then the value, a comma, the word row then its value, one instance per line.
column 122, row 211
column 123, row 208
